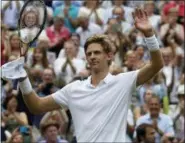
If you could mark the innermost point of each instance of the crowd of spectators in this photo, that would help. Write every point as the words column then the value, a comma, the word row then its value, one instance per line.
column 57, row 58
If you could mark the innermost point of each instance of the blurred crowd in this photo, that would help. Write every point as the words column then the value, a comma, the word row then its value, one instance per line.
column 156, row 113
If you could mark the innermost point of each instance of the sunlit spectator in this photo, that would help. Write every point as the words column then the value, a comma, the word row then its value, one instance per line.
column 11, row 116
column 87, row 28
column 94, row 11
column 80, row 53
column 69, row 12
column 10, row 13
column 162, row 123
column 57, row 34
column 50, row 132
column 68, row 66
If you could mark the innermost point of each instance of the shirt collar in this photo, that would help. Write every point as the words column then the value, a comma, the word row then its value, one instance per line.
column 106, row 80
column 149, row 118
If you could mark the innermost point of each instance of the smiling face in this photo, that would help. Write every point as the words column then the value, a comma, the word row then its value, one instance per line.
column 51, row 133
column 30, row 19
column 48, row 76
column 154, row 106
column 70, row 49
column 97, row 57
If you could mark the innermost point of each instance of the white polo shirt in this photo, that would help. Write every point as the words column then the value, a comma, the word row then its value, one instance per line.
column 99, row 113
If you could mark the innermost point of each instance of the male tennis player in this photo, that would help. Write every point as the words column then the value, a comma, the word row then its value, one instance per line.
column 99, row 104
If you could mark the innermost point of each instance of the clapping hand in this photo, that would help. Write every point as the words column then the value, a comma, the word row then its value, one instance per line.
column 142, row 22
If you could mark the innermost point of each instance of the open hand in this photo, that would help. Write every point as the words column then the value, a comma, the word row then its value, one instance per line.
column 142, row 22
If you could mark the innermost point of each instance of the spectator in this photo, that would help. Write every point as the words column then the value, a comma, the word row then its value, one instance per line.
column 93, row 10
column 172, row 26
column 68, row 66
column 16, row 137
column 10, row 11
column 142, row 109
column 155, row 19
column 80, row 54
column 170, row 74
column 49, row 130
column 21, row 134
column 11, row 116
column 5, row 49
column 162, row 123
column 39, row 63
column 127, row 10
column 47, row 86
column 130, row 61
column 118, row 13
column 120, row 41
column 30, row 25
column 87, row 28
column 14, row 45
column 141, row 55
column 56, row 4
column 70, row 13
column 145, row 133
column 58, row 116
column 177, row 114
column 57, row 34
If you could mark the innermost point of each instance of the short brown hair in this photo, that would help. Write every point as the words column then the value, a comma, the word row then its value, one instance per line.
column 141, row 130
column 48, row 123
column 101, row 39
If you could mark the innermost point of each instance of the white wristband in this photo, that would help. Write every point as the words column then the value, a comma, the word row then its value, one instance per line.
column 152, row 43
column 25, row 86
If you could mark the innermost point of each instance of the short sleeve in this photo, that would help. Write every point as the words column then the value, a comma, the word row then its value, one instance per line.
column 61, row 97
column 129, row 79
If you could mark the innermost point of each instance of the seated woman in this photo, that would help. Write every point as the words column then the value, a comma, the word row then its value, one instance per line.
column 38, row 63
column 11, row 117
column 30, row 25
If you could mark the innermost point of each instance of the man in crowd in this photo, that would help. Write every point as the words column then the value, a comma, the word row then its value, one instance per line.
column 145, row 133
column 162, row 123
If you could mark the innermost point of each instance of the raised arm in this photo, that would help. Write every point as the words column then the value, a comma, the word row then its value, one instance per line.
column 156, row 63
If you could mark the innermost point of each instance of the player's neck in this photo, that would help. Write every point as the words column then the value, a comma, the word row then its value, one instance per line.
column 98, row 76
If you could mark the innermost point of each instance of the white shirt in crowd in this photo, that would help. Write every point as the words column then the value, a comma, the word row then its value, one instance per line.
column 99, row 113
column 11, row 14
column 28, row 34
column 68, row 75
column 84, row 34
column 127, row 13
column 155, row 21
column 80, row 55
column 92, row 16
